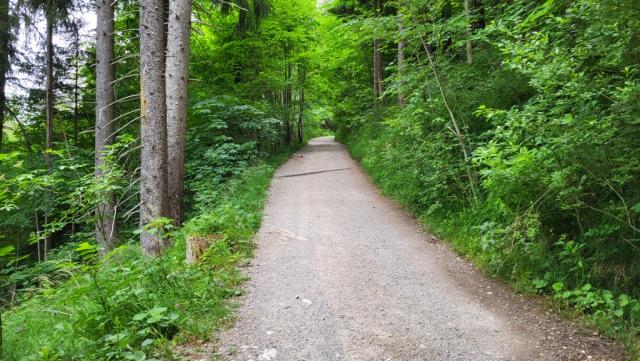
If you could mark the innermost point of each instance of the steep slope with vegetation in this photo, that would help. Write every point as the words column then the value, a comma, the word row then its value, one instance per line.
column 510, row 128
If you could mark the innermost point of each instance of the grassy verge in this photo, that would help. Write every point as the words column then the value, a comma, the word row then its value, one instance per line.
column 128, row 307
column 531, row 267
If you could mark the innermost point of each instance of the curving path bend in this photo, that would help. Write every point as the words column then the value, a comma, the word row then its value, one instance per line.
column 342, row 273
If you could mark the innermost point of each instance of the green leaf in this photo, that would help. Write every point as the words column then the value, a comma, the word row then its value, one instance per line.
column 6, row 250
column 558, row 286
column 85, row 246
column 140, row 316
column 539, row 284
column 623, row 300
column 146, row 343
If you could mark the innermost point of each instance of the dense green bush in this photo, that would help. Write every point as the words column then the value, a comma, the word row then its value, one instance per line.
column 548, row 112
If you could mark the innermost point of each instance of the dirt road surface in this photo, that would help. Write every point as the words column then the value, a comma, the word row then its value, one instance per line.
column 342, row 273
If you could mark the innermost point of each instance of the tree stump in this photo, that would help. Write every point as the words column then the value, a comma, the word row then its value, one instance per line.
column 197, row 244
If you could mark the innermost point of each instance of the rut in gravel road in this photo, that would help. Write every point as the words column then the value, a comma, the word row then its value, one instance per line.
column 342, row 273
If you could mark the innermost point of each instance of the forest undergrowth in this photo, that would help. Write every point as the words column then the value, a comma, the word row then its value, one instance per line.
column 130, row 307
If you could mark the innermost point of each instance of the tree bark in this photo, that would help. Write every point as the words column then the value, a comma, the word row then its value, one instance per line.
column 378, row 86
column 76, row 89
column 376, row 80
column 467, row 10
column 177, row 77
column 4, row 60
column 49, row 80
column 300, row 126
column 286, row 104
column 106, row 228
column 153, row 168
column 49, row 114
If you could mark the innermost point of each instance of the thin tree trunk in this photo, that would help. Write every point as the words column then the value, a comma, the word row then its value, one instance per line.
column 376, row 79
column 25, row 136
column 76, row 90
column 377, row 61
column 49, row 114
column 106, row 229
column 455, row 128
column 153, row 168
column 286, row 103
column 467, row 10
column 38, row 234
column 380, row 71
column 301, row 118
column 177, row 77
column 49, row 81
column 300, row 126
column 401, row 65
column 377, row 70
column 4, row 60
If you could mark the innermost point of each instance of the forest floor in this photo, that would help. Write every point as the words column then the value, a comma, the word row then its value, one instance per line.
column 342, row 273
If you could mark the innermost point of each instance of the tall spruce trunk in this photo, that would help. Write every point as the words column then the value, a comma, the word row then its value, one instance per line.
column 105, row 216
column 76, row 88
column 49, row 81
column 49, row 114
column 177, row 77
column 4, row 60
column 153, row 124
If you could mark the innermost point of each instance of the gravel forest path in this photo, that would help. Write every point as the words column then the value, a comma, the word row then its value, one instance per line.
column 342, row 273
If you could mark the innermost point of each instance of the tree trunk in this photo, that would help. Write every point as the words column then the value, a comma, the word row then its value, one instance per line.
column 454, row 123
column 467, row 10
column 378, row 86
column 401, row 61
column 4, row 60
column 106, row 229
column 49, row 82
column 177, row 77
column 286, row 104
column 301, row 110
column 153, row 168
column 49, row 114
column 76, row 89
